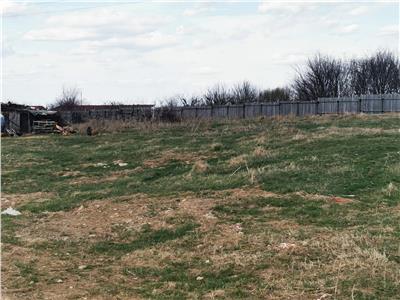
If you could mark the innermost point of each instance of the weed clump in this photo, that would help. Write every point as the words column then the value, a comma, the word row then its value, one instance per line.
column 200, row 166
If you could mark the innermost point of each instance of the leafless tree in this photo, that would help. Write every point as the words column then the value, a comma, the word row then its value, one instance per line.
column 191, row 101
column 217, row 95
column 323, row 76
column 69, row 99
column 274, row 95
column 244, row 92
column 377, row 74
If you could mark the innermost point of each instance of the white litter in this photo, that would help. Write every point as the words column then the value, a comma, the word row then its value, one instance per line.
column 199, row 278
column 11, row 211
column 286, row 245
column 120, row 163
column 101, row 165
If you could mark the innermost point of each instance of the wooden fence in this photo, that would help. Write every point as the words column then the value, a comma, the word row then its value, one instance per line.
column 135, row 113
column 365, row 104
column 349, row 105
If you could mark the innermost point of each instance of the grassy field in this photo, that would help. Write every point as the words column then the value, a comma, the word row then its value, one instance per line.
column 263, row 209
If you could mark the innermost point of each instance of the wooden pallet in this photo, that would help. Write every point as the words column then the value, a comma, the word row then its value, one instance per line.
column 43, row 126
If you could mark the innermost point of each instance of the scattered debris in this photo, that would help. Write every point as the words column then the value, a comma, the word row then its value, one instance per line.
column 287, row 245
column 63, row 130
column 210, row 215
column 101, row 165
column 199, row 278
column 238, row 227
column 323, row 296
column 341, row 200
column 89, row 131
column 59, row 281
column 11, row 211
column 10, row 132
column 120, row 163
column 82, row 267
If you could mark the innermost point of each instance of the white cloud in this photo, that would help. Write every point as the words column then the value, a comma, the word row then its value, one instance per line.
column 12, row 8
column 198, row 9
column 190, row 12
column 205, row 70
column 60, row 34
column 360, row 10
column 100, row 29
column 389, row 30
column 147, row 41
column 284, row 8
column 290, row 58
column 346, row 29
column 109, row 18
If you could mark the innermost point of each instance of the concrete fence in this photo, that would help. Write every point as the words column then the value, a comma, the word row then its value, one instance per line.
column 369, row 104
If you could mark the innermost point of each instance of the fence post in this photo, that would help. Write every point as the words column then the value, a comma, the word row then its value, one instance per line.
column 359, row 105
column 195, row 112
column 337, row 106
column 279, row 108
column 261, row 109
column 298, row 109
column 383, row 99
column 244, row 110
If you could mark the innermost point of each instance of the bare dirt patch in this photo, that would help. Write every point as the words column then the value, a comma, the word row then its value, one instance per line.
column 169, row 155
column 15, row 200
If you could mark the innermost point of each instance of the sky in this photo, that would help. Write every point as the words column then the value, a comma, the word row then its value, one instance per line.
column 146, row 51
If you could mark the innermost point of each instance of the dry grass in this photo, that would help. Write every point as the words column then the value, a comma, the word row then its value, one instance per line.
column 200, row 166
column 240, row 160
column 270, row 215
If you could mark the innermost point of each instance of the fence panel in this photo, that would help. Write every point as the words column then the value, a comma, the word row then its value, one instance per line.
column 252, row 110
column 364, row 104
column 287, row 108
column 328, row 107
column 372, row 105
column 235, row 111
column 204, row 112
column 307, row 108
column 270, row 109
column 348, row 106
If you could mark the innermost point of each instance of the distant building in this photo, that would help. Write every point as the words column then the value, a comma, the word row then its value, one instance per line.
column 23, row 119
column 104, row 107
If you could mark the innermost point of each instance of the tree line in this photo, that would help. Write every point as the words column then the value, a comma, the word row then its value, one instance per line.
column 321, row 76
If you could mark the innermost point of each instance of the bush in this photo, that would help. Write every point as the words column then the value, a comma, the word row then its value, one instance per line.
column 68, row 100
column 275, row 95
column 323, row 76
column 377, row 74
column 244, row 93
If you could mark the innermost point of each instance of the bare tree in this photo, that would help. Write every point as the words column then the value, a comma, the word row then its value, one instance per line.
column 69, row 99
column 322, row 77
column 191, row 101
column 274, row 95
column 217, row 95
column 244, row 92
column 377, row 74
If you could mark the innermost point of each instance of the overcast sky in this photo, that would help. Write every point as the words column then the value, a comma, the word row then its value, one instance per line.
column 142, row 52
